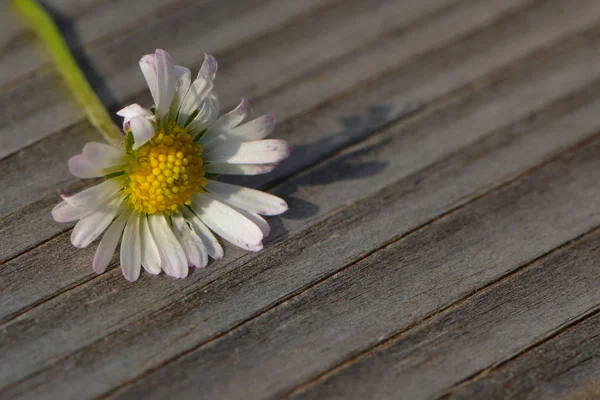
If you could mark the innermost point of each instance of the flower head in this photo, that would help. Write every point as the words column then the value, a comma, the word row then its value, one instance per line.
column 159, row 197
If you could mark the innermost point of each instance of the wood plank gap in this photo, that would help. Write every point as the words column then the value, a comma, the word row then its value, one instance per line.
column 390, row 340
column 541, row 165
column 594, row 311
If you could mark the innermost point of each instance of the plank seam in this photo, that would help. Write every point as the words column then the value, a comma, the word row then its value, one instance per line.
column 395, row 337
column 564, row 154
column 482, row 373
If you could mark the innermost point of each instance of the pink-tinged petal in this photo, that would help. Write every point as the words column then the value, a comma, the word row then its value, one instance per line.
column 239, row 169
column 142, row 130
column 209, row 67
column 102, row 155
column 195, row 251
column 172, row 255
column 159, row 71
column 257, row 219
column 207, row 115
column 131, row 249
column 148, row 67
column 90, row 227
column 256, row 129
column 81, row 168
column 228, row 223
column 183, row 79
column 64, row 212
column 132, row 111
column 193, row 99
column 212, row 245
column 109, row 242
column 150, row 254
column 93, row 197
column 258, row 152
column 247, row 199
column 228, row 121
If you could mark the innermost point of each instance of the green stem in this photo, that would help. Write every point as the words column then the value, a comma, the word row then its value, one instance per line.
column 42, row 24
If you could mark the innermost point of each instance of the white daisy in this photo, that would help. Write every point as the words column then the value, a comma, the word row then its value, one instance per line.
column 159, row 198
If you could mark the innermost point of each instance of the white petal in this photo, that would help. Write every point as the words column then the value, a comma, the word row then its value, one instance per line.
column 103, row 155
column 150, row 253
column 183, row 78
column 81, row 168
column 247, row 199
column 132, row 111
column 257, row 219
column 227, row 223
column 193, row 99
column 256, row 129
column 239, row 169
column 228, row 121
column 131, row 249
column 91, row 198
column 64, row 212
column 109, row 242
column 208, row 70
column 192, row 245
column 142, row 130
column 90, row 227
column 172, row 255
column 207, row 115
column 212, row 245
column 258, row 152
column 148, row 67
column 159, row 71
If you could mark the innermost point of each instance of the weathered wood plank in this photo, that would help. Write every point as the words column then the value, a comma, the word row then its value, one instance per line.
column 366, row 111
column 563, row 367
column 297, row 262
column 28, row 111
column 395, row 100
column 490, row 327
column 84, row 24
column 365, row 302
column 230, row 82
column 444, row 71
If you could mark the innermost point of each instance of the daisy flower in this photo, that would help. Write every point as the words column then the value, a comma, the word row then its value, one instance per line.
column 159, row 197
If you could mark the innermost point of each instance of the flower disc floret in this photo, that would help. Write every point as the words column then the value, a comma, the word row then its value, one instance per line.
column 165, row 172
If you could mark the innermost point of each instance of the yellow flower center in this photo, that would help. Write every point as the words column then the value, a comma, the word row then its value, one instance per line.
column 165, row 172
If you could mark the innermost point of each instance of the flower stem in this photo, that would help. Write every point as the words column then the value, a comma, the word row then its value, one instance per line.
column 41, row 22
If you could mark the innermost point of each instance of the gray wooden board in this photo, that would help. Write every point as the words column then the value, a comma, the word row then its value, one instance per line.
column 306, row 93
column 320, row 124
column 363, row 114
column 356, row 307
column 565, row 365
column 486, row 329
column 508, row 86
column 29, row 110
column 84, row 24
column 416, row 211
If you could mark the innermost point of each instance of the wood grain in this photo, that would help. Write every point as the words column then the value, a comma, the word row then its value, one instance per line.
column 293, row 100
column 66, row 275
column 488, row 328
column 84, row 24
column 328, row 129
column 443, row 220
column 402, row 282
column 563, row 366
column 28, row 111
column 202, row 316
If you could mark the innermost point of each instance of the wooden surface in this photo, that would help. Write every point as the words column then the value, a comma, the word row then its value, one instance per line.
column 443, row 235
